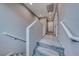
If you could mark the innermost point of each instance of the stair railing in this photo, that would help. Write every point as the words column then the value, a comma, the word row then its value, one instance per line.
column 72, row 37
column 9, row 35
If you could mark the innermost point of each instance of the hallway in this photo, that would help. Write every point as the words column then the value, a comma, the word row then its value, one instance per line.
column 49, row 45
column 39, row 29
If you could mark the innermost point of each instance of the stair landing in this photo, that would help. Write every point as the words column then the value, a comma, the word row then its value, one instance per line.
column 51, row 40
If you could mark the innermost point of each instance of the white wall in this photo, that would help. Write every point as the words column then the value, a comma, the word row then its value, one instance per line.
column 14, row 18
column 34, row 34
column 50, row 26
column 65, row 41
column 43, row 22
column 71, row 19
column 71, row 14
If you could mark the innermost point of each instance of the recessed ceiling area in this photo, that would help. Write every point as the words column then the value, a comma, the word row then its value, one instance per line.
column 40, row 9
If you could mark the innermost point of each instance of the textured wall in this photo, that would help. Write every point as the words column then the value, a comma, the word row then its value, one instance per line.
column 43, row 22
column 14, row 19
column 70, row 17
column 34, row 34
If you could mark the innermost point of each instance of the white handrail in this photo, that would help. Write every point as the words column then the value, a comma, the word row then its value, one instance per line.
column 15, row 54
column 9, row 35
column 68, row 32
column 9, row 54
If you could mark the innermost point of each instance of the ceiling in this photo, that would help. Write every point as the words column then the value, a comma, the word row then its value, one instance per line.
column 40, row 9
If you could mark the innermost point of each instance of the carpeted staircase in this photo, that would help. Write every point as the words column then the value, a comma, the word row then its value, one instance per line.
column 48, row 47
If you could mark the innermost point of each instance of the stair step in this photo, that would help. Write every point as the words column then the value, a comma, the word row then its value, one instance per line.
column 45, row 52
column 51, row 46
column 50, row 40
column 18, row 54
